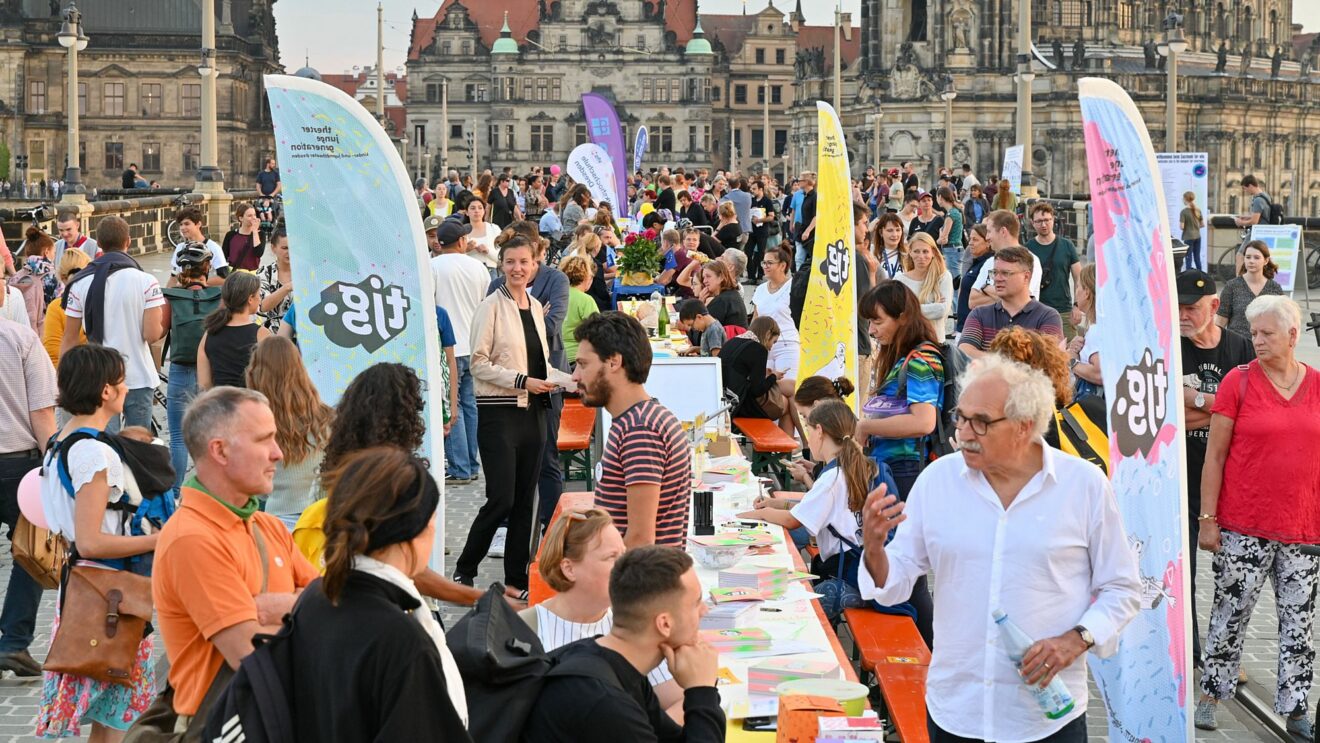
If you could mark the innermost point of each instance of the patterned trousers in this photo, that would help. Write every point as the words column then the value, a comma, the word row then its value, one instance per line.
column 1241, row 567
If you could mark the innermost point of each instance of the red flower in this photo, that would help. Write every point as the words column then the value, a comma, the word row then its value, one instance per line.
column 630, row 238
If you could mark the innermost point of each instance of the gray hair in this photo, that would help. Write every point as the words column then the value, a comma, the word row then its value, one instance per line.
column 737, row 259
column 1283, row 309
column 1030, row 392
column 212, row 415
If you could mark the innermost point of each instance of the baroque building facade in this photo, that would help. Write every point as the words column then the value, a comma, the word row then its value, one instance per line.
column 1248, row 93
column 139, row 93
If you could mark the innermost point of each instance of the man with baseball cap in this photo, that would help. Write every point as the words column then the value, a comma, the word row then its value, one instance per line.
column 1208, row 353
column 460, row 285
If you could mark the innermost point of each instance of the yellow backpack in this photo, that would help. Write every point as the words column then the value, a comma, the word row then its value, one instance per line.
column 1082, row 429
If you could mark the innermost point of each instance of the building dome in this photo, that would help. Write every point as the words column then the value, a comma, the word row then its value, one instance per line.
column 698, row 43
column 308, row 73
column 505, row 44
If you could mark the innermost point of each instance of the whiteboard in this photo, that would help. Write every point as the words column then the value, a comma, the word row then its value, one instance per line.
column 687, row 386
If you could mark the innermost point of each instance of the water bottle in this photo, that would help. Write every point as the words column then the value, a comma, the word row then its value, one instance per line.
column 1055, row 700
column 652, row 323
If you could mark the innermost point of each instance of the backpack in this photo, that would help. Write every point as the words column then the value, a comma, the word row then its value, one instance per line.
column 504, row 666
column 33, row 291
column 937, row 441
column 1274, row 213
column 257, row 704
column 1083, row 431
column 148, row 468
column 188, row 311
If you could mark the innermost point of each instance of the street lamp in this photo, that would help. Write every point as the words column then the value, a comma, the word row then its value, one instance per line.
column 1024, row 78
column 209, row 177
column 876, row 118
column 1173, row 44
column 947, row 95
column 71, row 37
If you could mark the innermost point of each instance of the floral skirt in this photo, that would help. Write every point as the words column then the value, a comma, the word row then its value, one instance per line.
column 68, row 701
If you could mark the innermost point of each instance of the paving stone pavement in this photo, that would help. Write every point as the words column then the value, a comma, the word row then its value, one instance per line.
column 19, row 699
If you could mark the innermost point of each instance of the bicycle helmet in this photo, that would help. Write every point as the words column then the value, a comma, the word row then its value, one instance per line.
column 193, row 254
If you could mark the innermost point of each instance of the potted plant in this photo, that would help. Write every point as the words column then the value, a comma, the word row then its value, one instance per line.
column 639, row 260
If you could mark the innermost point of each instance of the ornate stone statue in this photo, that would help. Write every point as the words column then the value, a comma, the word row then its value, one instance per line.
column 1221, row 58
column 961, row 31
column 800, row 65
column 1276, row 62
column 1245, row 67
column 1057, row 49
column 1149, row 50
column 1308, row 61
column 1079, row 55
column 907, row 56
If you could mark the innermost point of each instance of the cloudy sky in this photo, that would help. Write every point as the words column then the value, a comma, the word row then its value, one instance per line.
column 338, row 34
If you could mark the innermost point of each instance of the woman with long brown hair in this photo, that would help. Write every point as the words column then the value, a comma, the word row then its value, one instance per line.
column 379, row 531
column 1004, row 197
column 889, row 244
column 231, row 334
column 302, row 425
column 897, row 421
column 1254, row 279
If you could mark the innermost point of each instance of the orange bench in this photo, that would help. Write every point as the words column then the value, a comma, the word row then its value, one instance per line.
column 769, row 445
column 889, row 648
column 537, row 589
column 577, row 423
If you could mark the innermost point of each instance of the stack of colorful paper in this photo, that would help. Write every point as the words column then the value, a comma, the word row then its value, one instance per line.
column 749, row 538
column 770, row 582
column 851, row 728
column 737, row 640
column 766, row 676
column 732, row 615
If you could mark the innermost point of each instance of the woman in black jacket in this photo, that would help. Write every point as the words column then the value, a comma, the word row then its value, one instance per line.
column 372, row 660
column 745, row 362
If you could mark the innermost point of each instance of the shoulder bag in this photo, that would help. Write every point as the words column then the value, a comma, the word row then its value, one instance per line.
column 103, row 618
column 40, row 552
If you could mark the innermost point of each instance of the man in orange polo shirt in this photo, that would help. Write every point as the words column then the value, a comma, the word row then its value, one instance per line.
column 211, row 590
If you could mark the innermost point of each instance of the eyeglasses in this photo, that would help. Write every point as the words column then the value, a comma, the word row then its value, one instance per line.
column 1004, row 274
column 768, row 264
column 979, row 426
column 1043, row 220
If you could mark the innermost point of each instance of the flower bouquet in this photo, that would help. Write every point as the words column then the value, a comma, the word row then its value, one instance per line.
column 639, row 260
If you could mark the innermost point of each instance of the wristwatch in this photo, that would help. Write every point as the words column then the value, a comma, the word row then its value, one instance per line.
column 1199, row 400
column 1086, row 636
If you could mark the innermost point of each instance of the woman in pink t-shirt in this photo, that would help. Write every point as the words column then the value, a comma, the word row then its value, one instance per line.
column 1260, row 493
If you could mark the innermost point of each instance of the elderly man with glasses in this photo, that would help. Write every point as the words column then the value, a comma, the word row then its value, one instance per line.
column 1037, row 534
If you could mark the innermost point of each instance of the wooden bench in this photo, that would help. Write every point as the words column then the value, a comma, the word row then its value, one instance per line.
column 577, row 423
column 890, row 650
column 769, row 445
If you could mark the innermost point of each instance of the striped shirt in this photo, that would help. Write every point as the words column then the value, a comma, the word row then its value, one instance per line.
column 647, row 447
column 984, row 323
column 555, row 632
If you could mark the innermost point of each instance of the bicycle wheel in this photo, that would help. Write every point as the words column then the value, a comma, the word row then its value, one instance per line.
column 173, row 233
column 1313, row 268
column 1226, row 267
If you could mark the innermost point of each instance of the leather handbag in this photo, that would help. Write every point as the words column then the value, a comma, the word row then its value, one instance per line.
column 103, row 619
column 38, row 551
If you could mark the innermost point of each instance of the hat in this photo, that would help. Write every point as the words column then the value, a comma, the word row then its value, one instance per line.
column 450, row 230
column 431, row 223
column 1193, row 284
column 554, row 170
column 192, row 254
column 924, row 195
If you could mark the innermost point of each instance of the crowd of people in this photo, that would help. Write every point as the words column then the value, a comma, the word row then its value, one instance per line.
column 288, row 506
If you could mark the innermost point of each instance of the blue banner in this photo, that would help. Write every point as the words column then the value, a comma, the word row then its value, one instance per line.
column 361, row 269
column 603, row 129
column 639, row 148
column 1147, row 685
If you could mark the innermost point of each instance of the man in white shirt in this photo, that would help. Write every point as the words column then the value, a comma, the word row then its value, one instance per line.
column 968, row 179
column 119, row 305
column 190, row 226
column 1003, row 230
column 1037, row 534
column 460, row 285
column 70, row 227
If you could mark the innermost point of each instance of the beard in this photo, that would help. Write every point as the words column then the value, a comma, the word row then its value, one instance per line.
column 597, row 392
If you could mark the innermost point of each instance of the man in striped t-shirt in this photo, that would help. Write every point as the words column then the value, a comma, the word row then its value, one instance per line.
column 646, row 470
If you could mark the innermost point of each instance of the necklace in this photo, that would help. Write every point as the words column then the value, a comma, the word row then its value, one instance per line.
column 1296, row 378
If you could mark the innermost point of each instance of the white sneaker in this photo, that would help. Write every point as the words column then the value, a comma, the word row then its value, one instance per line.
column 497, row 544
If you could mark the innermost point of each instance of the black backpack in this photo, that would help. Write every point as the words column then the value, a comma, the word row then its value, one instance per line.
column 257, row 705
column 1273, row 214
column 504, row 666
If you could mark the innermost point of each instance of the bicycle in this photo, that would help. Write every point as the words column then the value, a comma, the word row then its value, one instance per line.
column 173, row 232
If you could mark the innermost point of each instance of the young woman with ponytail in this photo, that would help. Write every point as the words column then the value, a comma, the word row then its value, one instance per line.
column 231, row 334
column 832, row 510
column 379, row 529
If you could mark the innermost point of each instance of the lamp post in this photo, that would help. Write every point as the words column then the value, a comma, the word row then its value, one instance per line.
column 947, row 95
column 209, row 173
column 1171, row 46
column 444, row 127
column 875, row 120
column 766, row 139
column 1024, row 78
column 72, row 38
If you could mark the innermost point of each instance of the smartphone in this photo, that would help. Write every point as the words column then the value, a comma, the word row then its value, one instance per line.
column 760, row 724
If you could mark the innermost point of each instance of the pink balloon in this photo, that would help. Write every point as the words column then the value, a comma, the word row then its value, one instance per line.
column 29, row 498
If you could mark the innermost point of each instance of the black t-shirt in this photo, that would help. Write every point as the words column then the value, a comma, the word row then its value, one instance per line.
column 666, row 200
column 535, row 356
column 728, row 307
column 910, row 183
column 808, row 215
column 1209, row 365
column 128, row 179
column 931, row 228
column 267, row 180
column 728, row 235
column 502, row 207
column 965, row 288
column 762, row 230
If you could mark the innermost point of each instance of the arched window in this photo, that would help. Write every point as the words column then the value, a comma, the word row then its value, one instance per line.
column 1275, row 36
